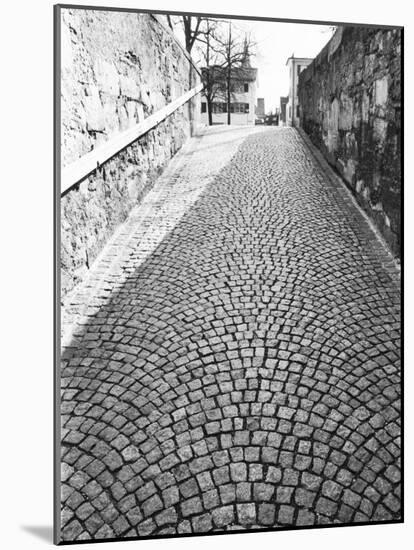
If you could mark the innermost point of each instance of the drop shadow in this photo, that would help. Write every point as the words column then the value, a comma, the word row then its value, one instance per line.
column 42, row 532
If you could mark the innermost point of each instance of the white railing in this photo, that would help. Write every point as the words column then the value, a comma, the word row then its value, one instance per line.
column 84, row 166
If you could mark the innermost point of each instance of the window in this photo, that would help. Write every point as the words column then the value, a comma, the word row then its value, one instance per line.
column 297, row 111
column 203, row 107
column 219, row 108
column 235, row 107
column 239, row 108
column 246, row 87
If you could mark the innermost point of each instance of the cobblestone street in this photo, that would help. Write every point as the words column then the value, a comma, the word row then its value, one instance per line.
column 237, row 362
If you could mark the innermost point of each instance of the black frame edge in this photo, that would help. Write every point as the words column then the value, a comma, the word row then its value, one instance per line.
column 56, row 267
column 226, row 16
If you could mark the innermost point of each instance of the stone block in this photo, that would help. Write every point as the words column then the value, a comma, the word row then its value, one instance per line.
column 380, row 129
column 224, row 516
column 381, row 91
column 94, row 112
column 129, row 87
column 107, row 76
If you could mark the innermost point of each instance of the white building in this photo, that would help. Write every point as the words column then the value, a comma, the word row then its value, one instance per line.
column 296, row 66
column 260, row 108
column 243, row 97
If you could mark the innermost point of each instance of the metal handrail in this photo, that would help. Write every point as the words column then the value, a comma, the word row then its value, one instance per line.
column 78, row 170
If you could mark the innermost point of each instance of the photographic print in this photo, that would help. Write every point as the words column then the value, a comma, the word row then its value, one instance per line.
column 228, row 274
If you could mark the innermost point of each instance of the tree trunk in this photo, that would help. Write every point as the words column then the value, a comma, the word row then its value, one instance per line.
column 228, row 102
column 208, row 95
column 187, row 32
column 229, row 78
column 210, row 111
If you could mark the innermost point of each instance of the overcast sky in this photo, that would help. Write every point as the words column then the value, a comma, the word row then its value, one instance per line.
column 275, row 43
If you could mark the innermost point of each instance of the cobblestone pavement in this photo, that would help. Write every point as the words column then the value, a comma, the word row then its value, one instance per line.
column 245, row 373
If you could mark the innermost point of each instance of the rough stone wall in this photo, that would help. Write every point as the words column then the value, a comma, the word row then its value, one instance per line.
column 350, row 99
column 117, row 69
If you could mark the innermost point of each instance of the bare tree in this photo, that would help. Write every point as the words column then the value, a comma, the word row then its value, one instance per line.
column 213, row 69
column 225, row 55
column 235, row 52
column 192, row 29
column 169, row 21
column 204, row 32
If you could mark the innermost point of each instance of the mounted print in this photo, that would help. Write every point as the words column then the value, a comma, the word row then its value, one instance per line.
column 228, row 290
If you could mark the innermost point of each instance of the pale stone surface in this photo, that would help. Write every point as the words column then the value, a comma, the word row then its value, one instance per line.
column 115, row 73
column 380, row 129
column 333, row 121
column 122, row 56
column 94, row 113
column 381, row 91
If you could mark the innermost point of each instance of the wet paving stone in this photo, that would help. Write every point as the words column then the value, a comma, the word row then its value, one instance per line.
column 246, row 373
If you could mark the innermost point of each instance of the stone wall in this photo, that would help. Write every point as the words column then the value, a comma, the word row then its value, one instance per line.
column 350, row 101
column 117, row 69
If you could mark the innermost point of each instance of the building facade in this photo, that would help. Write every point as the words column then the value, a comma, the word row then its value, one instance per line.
column 296, row 66
column 243, row 97
column 260, row 108
column 284, row 100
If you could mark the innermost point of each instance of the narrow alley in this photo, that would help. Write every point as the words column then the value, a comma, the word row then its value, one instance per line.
column 232, row 360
